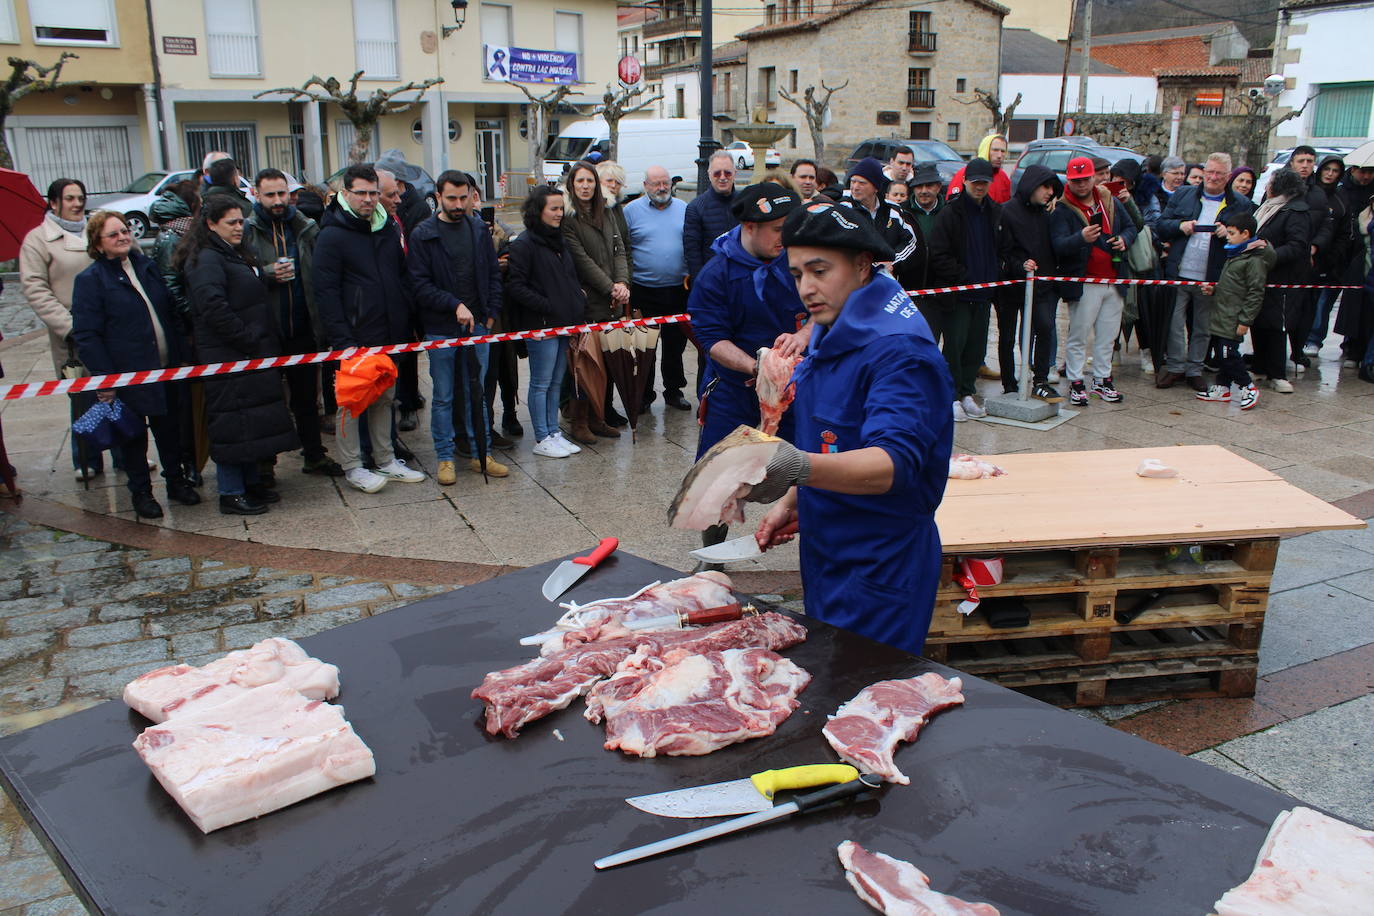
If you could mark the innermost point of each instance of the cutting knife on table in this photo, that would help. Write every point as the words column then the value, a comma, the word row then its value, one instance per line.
column 679, row 619
column 569, row 571
column 742, row 548
column 801, row 804
column 742, row 796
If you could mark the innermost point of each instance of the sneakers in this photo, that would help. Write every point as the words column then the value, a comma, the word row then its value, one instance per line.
column 397, row 470
column 959, row 415
column 566, row 444
column 1078, row 394
column 447, row 475
column 1249, row 396
column 365, row 480
column 1312, row 349
column 1104, row 389
column 971, row 408
column 1053, row 376
column 1046, row 392
column 494, row 467
column 551, row 447
column 1219, row 393
column 1147, row 363
column 1281, row 385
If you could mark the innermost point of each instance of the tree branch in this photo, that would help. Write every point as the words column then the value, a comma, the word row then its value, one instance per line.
column 18, row 87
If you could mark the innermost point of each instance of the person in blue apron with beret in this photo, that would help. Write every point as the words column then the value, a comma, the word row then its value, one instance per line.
column 873, row 437
column 742, row 300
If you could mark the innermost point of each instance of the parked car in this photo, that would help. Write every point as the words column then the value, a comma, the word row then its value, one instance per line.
column 744, row 155
column 134, row 199
column 926, row 152
column 1055, row 153
column 425, row 186
column 1281, row 159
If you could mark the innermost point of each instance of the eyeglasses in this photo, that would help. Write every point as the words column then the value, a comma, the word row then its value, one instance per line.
column 116, row 234
column 723, row 174
column 370, row 195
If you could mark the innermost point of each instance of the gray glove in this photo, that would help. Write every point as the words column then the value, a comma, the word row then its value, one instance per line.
column 789, row 467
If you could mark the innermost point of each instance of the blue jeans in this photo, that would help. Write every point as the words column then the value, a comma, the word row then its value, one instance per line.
column 234, row 479
column 1326, row 301
column 450, row 394
column 548, row 362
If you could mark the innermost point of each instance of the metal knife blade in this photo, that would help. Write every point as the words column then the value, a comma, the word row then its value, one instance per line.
column 726, row 551
column 569, row 571
column 741, row 796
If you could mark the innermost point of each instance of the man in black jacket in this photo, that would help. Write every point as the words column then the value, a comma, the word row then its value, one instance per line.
column 709, row 215
column 362, row 293
column 1301, row 311
column 1027, row 248
column 457, row 286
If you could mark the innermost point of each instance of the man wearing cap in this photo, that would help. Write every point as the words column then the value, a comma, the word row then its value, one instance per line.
column 1091, row 231
column 744, row 299
column 966, row 247
column 867, row 183
column 873, row 434
column 926, row 200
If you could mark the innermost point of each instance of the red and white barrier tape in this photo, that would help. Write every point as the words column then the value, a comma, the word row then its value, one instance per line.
column 1121, row 282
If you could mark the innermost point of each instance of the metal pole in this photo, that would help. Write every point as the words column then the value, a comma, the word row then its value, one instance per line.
column 1085, row 62
column 708, row 130
column 1025, row 385
column 1064, row 81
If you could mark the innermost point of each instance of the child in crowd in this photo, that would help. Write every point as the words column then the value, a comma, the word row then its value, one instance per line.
column 1238, row 294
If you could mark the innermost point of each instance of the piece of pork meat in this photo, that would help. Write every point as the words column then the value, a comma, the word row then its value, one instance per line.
column 519, row 695
column 967, row 467
column 712, row 491
column 1309, row 864
column 264, row 749
column 684, row 704
column 774, row 387
column 899, row 888
column 603, row 619
column 865, row 731
column 181, row 689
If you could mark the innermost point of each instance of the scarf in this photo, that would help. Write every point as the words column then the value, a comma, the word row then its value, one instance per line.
column 379, row 215
column 74, row 226
column 549, row 234
column 180, row 226
column 1270, row 206
column 1237, row 249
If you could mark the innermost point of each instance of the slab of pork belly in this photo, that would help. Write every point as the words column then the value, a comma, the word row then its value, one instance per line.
column 899, row 888
column 866, row 730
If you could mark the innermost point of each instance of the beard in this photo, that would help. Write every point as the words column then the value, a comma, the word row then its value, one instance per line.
column 661, row 197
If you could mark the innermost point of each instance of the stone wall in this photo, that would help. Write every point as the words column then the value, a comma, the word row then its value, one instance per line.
column 1245, row 137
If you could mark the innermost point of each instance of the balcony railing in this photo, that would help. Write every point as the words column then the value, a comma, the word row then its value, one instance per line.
column 377, row 59
column 233, row 54
column 671, row 25
column 920, row 98
column 921, row 42
column 654, row 72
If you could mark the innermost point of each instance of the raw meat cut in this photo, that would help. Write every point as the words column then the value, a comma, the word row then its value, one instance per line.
column 865, row 731
column 264, row 749
column 1153, row 467
column 774, row 387
column 531, row 691
column 899, row 888
column 1309, row 864
column 711, row 492
column 181, row 689
column 691, row 593
column 684, row 704
column 967, row 467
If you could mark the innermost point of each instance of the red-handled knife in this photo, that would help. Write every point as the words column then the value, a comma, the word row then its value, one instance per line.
column 569, row 571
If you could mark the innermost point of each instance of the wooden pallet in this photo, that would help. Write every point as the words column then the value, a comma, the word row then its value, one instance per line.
column 1139, row 683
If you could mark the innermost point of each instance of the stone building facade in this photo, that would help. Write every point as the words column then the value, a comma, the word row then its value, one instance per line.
column 912, row 69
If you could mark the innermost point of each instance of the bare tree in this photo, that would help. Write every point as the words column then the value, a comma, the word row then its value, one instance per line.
column 613, row 109
column 1001, row 120
column 814, row 107
column 27, row 76
column 541, row 109
column 362, row 113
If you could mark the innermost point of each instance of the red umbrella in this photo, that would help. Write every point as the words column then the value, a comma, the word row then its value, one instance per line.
column 21, row 208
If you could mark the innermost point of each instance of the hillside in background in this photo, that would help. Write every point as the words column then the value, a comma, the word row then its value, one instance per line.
column 1256, row 20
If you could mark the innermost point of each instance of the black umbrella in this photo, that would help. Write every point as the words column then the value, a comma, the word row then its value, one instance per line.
column 470, row 373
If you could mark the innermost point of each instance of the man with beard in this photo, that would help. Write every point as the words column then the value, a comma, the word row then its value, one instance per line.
column 655, row 222
column 282, row 241
column 992, row 148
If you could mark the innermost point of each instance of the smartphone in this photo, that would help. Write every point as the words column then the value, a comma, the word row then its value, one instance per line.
column 1115, row 187
column 1096, row 219
column 488, row 215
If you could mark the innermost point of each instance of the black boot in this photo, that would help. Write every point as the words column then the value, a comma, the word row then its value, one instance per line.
column 145, row 506
column 241, row 504
column 179, row 490
column 511, row 426
column 262, row 494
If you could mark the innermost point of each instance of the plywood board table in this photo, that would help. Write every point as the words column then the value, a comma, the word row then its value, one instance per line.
column 1084, row 539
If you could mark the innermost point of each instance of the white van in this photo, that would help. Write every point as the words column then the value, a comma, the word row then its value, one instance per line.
column 669, row 142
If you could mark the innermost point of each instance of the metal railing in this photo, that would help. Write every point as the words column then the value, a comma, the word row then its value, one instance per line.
column 377, row 59
column 920, row 98
column 233, row 54
column 920, row 42
column 672, row 24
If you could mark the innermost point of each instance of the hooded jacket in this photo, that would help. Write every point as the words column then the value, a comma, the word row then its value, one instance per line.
column 1186, row 204
column 875, row 378
column 749, row 302
column 362, row 288
column 293, row 236
column 1026, row 231
column 1240, row 291
column 1066, row 230
column 541, row 282
column 708, row 217
column 1355, row 197
column 435, row 281
column 173, row 216
column 1289, row 233
column 1331, row 258
column 1319, row 210
column 1000, row 189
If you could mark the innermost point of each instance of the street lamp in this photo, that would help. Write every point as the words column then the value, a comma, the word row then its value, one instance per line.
column 460, row 15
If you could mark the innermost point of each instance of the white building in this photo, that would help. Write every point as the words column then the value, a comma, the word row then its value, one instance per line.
column 1325, row 60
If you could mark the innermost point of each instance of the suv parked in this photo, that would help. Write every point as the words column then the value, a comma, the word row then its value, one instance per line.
column 947, row 162
column 1055, row 154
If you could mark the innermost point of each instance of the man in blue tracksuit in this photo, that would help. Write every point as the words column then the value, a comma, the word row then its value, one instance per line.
column 873, row 433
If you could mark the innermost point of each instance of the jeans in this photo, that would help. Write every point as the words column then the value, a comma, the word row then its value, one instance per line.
column 1187, row 346
column 548, row 362
column 1232, row 365
column 234, row 479
column 1097, row 313
column 966, row 342
column 441, row 364
column 1326, row 301
column 379, row 421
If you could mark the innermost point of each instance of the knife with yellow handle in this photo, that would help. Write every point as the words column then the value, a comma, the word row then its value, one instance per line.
column 742, row 796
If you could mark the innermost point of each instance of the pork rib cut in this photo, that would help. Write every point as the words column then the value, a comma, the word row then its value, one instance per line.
column 711, row 492
column 520, row 695
column 774, row 387
column 865, row 731
column 1309, row 864
column 603, row 619
column 899, row 888
column 682, row 704
column 180, row 689
column 264, row 749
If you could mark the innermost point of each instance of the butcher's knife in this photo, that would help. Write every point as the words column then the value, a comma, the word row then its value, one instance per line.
column 569, row 571
column 800, row 804
column 736, row 548
column 742, row 796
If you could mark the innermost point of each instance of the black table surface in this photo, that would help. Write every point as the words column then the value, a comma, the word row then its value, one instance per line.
column 1013, row 802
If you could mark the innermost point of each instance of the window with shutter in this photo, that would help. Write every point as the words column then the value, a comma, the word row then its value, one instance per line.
column 231, row 37
column 73, row 22
column 1343, row 110
column 9, row 26
column 374, row 39
column 567, row 32
column 496, row 25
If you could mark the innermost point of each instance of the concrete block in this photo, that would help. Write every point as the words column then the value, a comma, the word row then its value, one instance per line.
column 1012, row 407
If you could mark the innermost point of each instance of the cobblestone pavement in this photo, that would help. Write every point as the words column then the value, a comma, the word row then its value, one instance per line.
column 15, row 315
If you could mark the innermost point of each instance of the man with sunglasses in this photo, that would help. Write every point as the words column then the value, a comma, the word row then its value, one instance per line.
column 710, row 214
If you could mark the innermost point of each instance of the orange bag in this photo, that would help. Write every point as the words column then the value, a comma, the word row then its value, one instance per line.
column 361, row 380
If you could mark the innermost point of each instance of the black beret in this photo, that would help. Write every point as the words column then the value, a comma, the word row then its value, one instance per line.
column 764, row 202
column 835, row 225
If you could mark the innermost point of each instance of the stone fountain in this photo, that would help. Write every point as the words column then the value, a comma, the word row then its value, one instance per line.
column 760, row 134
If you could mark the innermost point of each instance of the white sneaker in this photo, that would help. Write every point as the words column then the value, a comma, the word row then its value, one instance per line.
column 1147, row 363
column 1053, row 377
column 1281, row 385
column 365, row 480
column 549, row 447
column 397, row 470
column 971, row 408
column 959, row 415
column 566, row 444
column 1311, row 350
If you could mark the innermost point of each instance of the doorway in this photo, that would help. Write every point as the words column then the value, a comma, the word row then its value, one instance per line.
column 491, row 156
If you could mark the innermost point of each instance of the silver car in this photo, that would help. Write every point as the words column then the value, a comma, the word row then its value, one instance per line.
column 135, row 199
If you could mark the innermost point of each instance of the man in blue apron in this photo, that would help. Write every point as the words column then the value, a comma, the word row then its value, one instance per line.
column 873, row 437
column 744, row 299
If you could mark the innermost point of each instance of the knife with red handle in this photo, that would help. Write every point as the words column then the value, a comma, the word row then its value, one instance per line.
column 569, row 571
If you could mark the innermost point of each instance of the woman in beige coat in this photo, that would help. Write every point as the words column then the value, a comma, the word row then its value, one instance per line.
column 52, row 254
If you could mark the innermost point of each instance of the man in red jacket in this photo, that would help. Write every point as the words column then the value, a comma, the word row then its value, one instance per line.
column 993, row 148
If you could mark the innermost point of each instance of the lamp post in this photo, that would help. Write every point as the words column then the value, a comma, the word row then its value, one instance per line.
column 708, row 143
column 460, row 16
